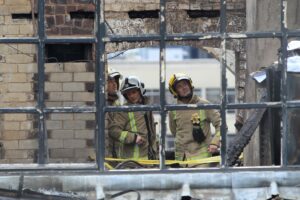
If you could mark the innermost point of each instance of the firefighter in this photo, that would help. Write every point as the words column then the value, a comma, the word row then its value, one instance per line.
column 112, row 99
column 134, row 132
column 191, row 128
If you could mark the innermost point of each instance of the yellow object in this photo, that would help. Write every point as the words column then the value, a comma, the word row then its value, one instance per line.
column 195, row 118
column 176, row 78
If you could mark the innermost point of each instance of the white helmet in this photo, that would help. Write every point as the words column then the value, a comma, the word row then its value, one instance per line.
column 132, row 82
column 113, row 74
column 293, row 45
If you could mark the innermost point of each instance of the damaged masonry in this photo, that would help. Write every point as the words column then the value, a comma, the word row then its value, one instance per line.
column 54, row 57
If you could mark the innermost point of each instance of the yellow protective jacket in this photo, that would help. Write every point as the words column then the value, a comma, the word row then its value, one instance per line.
column 186, row 148
column 124, row 129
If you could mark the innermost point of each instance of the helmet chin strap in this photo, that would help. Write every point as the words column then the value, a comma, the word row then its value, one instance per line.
column 187, row 97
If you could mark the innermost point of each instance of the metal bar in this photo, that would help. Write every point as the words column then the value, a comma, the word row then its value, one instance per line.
column 125, row 38
column 283, row 60
column 43, row 152
column 91, row 169
column 254, row 105
column 19, row 40
column 90, row 109
column 19, row 110
column 100, row 84
column 132, row 108
column 223, row 25
column 69, row 39
column 293, row 104
column 151, row 37
column 162, row 64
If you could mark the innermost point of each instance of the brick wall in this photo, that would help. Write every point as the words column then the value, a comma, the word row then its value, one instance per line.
column 71, row 136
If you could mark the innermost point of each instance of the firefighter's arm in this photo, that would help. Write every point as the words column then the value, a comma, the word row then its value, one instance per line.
column 215, row 118
column 172, row 123
column 117, row 129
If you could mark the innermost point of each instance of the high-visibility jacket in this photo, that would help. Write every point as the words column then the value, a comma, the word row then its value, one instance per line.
column 124, row 129
column 181, row 126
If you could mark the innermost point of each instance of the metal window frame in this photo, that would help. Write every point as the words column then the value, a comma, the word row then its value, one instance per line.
column 100, row 40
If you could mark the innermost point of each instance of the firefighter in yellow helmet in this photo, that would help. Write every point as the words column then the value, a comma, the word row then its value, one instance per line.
column 191, row 128
column 134, row 132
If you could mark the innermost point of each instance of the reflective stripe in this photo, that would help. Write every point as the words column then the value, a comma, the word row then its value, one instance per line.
column 174, row 114
column 123, row 136
column 132, row 122
column 136, row 151
column 202, row 118
column 117, row 103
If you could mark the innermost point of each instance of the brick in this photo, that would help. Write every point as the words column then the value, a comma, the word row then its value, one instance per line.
column 55, row 144
column 74, row 124
column 75, row 67
column 27, row 125
column 19, row 58
column 61, row 77
column 26, row 48
column 83, row 96
column 15, row 78
column 90, row 124
column 53, row 125
column 88, row 76
column 15, row 117
column 20, row 87
column 62, row 134
column 65, row 30
column 8, row 68
column 27, row 30
column 13, row 144
column 60, row 96
column 28, row 144
column 49, row 10
column 84, row 116
column 61, row 153
column 2, row 19
column 59, row 20
column 53, row 87
column 17, row 2
column 84, row 134
column 16, row 97
column 84, row 153
column 60, row 10
column 27, row 68
column 74, row 143
column 61, row 116
column 14, row 135
column 53, row 104
column 73, row 103
column 11, row 126
column 54, row 67
column 16, row 154
column 11, row 29
column 79, row 87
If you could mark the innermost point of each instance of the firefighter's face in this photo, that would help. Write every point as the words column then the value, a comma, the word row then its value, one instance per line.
column 133, row 96
column 112, row 86
column 183, row 88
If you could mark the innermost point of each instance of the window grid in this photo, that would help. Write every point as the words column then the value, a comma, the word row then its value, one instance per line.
column 101, row 39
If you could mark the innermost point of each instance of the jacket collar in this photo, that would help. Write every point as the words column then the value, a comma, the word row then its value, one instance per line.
column 193, row 100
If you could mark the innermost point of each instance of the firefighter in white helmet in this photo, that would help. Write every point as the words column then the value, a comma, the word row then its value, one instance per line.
column 134, row 132
column 191, row 128
column 112, row 99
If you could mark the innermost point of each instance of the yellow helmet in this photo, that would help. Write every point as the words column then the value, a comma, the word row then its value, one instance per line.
column 175, row 78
